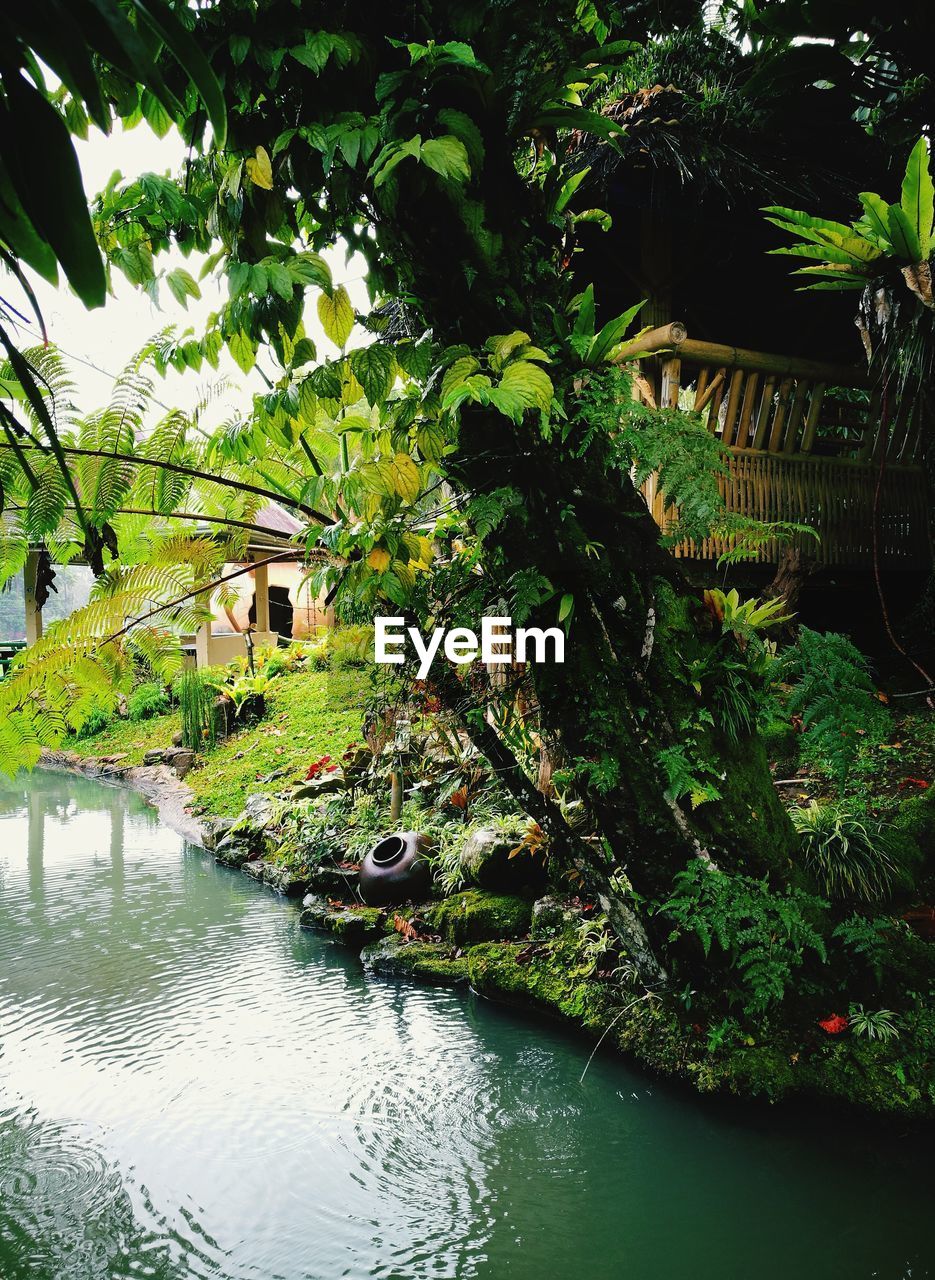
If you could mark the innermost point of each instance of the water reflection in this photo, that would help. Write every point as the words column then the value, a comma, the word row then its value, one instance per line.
column 191, row 1086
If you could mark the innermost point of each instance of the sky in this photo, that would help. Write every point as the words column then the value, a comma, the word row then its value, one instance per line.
column 100, row 343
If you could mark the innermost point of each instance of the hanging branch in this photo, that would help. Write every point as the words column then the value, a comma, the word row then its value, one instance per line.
column 241, row 485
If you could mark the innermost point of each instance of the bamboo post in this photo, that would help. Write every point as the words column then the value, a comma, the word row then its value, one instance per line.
column 811, row 420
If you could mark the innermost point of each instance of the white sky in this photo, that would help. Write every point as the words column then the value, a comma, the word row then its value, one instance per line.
column 108, row 336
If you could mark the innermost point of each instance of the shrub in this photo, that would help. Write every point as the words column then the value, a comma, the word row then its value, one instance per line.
column 146, row 701
column 834, row 694
column 849, row 857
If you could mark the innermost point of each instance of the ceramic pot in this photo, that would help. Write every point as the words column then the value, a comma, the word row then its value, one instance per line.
column 395, row 870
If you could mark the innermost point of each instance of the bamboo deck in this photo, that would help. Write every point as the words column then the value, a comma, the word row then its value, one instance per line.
column 802, row 448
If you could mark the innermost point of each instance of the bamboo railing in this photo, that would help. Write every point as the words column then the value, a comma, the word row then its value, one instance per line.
column 801, row 447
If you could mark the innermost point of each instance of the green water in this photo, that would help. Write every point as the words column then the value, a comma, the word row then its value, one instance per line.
column 193, row 1086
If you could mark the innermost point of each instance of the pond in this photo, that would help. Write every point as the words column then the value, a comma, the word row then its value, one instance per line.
column 193, row 1086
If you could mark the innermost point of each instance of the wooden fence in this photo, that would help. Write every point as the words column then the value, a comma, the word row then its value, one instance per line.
column 806, row 443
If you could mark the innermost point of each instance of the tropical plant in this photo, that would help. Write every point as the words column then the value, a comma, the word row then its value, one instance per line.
column 467, row 451
column 850, row 256
column 874, row 1024
column 850, row 857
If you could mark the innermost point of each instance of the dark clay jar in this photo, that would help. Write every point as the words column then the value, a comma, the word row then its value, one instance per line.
column 396, row 870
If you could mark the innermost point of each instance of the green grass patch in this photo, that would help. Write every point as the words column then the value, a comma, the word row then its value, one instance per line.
column 124, row 737
column 309, row 714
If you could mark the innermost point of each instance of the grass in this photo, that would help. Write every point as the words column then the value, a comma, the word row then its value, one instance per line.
column 309, row 714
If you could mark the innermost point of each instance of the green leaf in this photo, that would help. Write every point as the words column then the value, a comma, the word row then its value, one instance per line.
column 308, row 401
column 415, row 358
column 876, row 212
column 530, row 383
column 612, row 333
column 906, row 244
column 569, row 189
column 918, row 196
column 374, row 368
column 303, row 353
column 502, row 345
column 566, row 606
column 584, row 323
column 431, row 441
column 310, row 268
column 182, row 286
column 336, row 315
column 242, row 349
column 239, row 47
column 406, row 479
column 458, row 373
column 190, row 58
column 448, row 156
column 463, row 127
column 280, row 280
column 50, row 187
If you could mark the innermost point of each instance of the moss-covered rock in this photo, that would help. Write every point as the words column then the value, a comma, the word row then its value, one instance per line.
column 333, row 880
column 351, row 926
column 434, row 962
column 490, row 861
column 916, row 818
column 542, row 975
column 782, row 744
column 479, row 917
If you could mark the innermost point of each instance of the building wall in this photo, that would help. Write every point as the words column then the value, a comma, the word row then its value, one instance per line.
column 308, row 614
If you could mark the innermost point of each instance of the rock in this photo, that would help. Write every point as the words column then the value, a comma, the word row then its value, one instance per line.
column 285, row 880
column 479, row 917
column 115, row 759
column 255, row 867
column 183, row 763
column 177, row 739
column 486, row 861
column 352, row 926
column 551, row 916
column 234, row 849
column 257, row 811
column 215, row 829
column 434, row 962
column 155, row 756
column 336, row 882
column 315, row 908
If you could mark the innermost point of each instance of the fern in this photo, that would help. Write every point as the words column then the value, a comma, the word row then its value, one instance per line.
column 764, row 936
column 834, row 694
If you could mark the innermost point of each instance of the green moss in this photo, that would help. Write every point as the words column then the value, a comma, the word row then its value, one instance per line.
column 780, row 741
column 432, row 962
column 309, row 714
column 541, row 975
column 474, row 916
column 916, row 818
